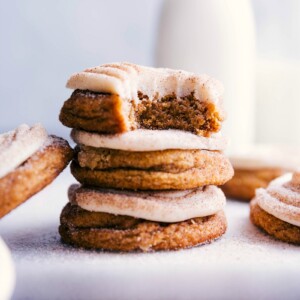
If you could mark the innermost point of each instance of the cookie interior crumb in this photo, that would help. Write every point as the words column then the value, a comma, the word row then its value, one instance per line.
column 186, row 113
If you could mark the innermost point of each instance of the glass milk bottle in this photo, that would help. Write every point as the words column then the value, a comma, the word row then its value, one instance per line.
column 216, row 37
column 278, row 72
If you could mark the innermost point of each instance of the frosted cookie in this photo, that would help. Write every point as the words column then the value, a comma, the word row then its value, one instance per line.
column 120, row 97
column 254, row 167
column 7, row 272
column 276, row 209
column 30, row 160
column 143, row 221
column 151, row 163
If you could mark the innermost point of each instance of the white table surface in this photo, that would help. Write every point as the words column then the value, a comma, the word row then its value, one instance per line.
column 243, row 264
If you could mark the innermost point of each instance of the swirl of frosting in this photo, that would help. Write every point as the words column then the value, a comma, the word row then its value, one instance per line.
column 149, row 140
column 126, row 80
column 18, row 145
column 282, row 198
column 167, row 206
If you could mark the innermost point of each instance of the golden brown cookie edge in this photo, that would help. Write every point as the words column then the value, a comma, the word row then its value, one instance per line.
column 151, row 180
column 34, row 174
column 170, row 160
column 100, row 113
column 243, row 184
column 148, row 236
column 273, row 226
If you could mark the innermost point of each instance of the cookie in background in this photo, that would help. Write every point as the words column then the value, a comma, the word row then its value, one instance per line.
column 256, row 166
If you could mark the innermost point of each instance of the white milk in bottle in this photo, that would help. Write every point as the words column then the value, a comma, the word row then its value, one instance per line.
column 216, row 37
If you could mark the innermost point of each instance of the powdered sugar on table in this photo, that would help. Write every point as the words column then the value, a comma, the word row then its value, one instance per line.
column 243, row 264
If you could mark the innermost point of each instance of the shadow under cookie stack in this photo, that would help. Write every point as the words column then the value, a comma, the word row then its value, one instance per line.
column 148, row 159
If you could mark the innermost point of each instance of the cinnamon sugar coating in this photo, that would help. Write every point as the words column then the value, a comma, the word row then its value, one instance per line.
column 34, row 174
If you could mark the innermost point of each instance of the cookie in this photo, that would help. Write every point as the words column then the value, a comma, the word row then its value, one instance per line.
column 152, row 180
column 119, row 233
column 276, row 209
column 120, row 97
column 129, row 221
column 244, row 182
column 275, row 227
column 148, row 160
column 255, row 167
column 33, row 174
column 75, row 217
column 171, row 161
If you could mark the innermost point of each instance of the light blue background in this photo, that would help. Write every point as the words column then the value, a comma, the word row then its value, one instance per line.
column 43, row 42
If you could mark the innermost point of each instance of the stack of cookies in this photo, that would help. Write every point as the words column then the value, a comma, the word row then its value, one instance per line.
column 148, row 158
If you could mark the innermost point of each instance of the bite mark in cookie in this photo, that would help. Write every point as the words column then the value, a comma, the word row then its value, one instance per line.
column 121, row 97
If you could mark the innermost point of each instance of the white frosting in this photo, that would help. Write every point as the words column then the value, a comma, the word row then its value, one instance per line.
column 266, row 156
column 127, row 80
column 7, row 272
column 18, row 145
column 149, row 140
column 270, row 199
column 168, row 206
